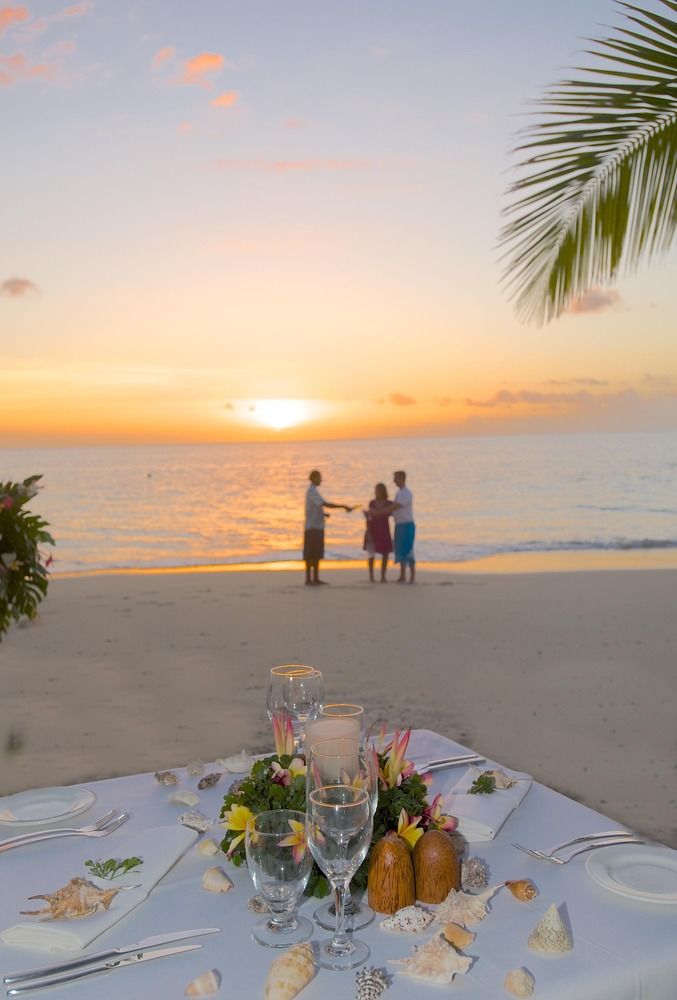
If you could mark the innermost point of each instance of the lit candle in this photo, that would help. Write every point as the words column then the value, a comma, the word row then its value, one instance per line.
column 330, row 728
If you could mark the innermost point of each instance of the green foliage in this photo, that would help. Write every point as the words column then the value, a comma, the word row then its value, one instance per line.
column 484, row 785
column 23, row 575
column 112, row 868
column 598, row 174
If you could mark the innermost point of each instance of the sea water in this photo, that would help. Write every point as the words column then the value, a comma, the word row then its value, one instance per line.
column 186, row 505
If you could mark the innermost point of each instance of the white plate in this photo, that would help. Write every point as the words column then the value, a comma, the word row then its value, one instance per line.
column 636, row 871
column 44, row 805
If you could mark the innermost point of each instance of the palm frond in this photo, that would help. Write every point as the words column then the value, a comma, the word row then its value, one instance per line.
column 597, row 185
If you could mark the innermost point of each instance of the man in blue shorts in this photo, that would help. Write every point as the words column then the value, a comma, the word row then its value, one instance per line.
column 405, row 530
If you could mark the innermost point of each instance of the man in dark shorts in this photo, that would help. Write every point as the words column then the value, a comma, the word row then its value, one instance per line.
column 313, row 536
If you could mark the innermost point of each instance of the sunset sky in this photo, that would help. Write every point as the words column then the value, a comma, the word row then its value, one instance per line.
column 210, row 207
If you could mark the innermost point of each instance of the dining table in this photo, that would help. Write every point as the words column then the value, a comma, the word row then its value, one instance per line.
column 624, row 948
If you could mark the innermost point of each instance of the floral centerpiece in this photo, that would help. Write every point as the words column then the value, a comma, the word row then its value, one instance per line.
column 23, row 574
column 279, row 782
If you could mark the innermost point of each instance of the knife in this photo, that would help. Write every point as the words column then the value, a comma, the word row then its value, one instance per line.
column 437, row 765
column 69, row 977
column 100, row 956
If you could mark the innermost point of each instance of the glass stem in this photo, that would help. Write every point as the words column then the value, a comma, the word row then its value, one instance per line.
column 340, row 945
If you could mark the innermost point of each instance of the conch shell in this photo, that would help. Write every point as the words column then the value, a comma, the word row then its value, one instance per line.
column 80, row 898
column 519, row 982
column 550, row 935
column 501, row 779
column 210, row 779
column 458, row 936
column 408, row 920
column 216, row 880
column 183, row 797
column 204, row 985
column 290, row 972
column 523, row 889
column 435, row 962
column 464, row 908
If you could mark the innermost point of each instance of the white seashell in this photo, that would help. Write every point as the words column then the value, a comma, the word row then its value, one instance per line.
column 183, row 797
column 196, row 821
column 408, row 920
column 195, row 768
column 204, row 985
column 216, row 880
column 167, row 778
column 550, row 935
column 474, row 874
column 290, row 972
column 519, row 982
column 436, row 961
column 464, row 908
column 239, row 763
column 207, row 848
column 501, row 779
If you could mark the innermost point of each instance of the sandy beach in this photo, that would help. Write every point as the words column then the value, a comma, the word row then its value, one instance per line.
column 569, row 675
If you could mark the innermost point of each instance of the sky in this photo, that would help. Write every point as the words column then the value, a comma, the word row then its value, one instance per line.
column 227, row 220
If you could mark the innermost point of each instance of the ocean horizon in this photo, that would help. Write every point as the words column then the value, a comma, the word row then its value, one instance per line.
column 172, row 506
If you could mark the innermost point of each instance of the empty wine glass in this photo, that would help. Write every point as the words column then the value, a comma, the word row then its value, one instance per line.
column 303, row 694
column 279, row 864
column 277, row 695
column 339, row 822
column 349, row 761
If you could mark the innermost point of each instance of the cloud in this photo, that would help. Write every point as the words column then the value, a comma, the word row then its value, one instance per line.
column 226, row 100
column 163, row 56
column 228, row 406
column 399, row 399
column 17, row 67
column 659, row 381
column 75, row 10
column 12, row 15
column 185, row 127
column 593, row 382
column 443, row 400
column 17, row 288
column 596, row 300
column 196, row 71
column 504, row 397
column 293, row 123
column 291, row 166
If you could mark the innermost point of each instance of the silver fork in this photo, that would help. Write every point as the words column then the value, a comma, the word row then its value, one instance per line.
column 553, row 859
column 107, row 824
column 578, row 840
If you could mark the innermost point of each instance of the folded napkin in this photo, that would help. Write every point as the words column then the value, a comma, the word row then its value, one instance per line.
column 160, row 848
column 480, row 817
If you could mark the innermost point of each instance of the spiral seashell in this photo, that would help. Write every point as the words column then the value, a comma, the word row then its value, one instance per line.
column 216, row 880
column 523, row 889
column 204, row 985
column 290, row 972
column 550, row 936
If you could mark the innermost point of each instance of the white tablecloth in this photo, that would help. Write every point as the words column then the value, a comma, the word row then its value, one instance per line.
column 623, row 950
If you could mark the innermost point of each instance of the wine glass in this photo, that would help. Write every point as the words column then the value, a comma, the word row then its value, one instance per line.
column 280, row 865
column 339, row 823
column 303, row 693
column 349, row 761
column 276, row 686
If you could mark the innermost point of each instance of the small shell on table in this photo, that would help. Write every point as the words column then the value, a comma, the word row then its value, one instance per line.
column 207, row 848
column 257, row 904
column 204, row 985
column 290, row 972
column 216, row 880
column 523, row 889
column 183, row 797
column 371, row 983
column 210, row 779
column 239, row 763
column 519, row 982
column 408, row 920
column 464, row 908
column 501, row 779
column 167, row 778
column 80, row 898
column 474, row 874
column 550, row 936
column 458, row 936
column 196, row 821
column 436, row 961
column 195, row 768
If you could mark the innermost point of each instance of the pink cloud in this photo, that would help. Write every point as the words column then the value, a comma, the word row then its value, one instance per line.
column 17, row 67
column 12, row 15
column 163, row 56
column 75, row 10
column 197, row 71
column 293, row 123
column 290, row 166
column 17, row 288
column 596, row 300
column 399, row 399
column 226, row 100
column 185, row 127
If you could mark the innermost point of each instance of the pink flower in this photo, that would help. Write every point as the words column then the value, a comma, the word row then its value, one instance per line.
column 280, row 775
column 7, row 502
column 284, row 734
column 436, row 819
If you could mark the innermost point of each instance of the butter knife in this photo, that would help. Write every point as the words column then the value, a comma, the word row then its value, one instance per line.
column 438, row 765
column 100, row 956
column 118, row 963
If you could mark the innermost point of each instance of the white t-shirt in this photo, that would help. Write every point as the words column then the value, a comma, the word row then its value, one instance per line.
column 314, row 511
column 405, row 512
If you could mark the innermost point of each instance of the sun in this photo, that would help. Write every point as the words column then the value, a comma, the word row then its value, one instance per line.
column 279, row 414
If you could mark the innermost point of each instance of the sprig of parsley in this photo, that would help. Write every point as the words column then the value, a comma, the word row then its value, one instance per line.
column 484, row 785
column 113, row 868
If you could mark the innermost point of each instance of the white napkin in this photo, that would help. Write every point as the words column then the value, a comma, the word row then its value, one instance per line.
column 480, row 817
column 160, row 849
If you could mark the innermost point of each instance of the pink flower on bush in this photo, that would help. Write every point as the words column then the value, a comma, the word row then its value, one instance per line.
column 7, row 502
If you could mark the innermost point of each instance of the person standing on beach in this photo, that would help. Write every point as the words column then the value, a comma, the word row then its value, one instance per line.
column 402, row 510
column 377, row 537
column 313, row 536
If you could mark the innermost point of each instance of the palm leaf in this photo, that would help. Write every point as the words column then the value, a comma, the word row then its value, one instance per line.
column 597, row 184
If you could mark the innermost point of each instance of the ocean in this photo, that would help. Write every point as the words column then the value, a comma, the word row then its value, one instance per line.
column 214, row 504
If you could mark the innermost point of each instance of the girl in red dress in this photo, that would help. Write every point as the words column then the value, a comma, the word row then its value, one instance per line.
column 377, row 537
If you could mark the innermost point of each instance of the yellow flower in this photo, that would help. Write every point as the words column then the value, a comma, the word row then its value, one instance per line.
column 237, row 818
column 407, row 828
column 296, row 840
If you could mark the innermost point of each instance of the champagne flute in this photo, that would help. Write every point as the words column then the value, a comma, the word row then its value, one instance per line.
column 339, row 824
column 349, row 761
column 280, row 865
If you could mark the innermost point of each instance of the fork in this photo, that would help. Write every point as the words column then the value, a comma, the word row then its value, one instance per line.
column 553, row 859
column 107, row 824
column 579, row 840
